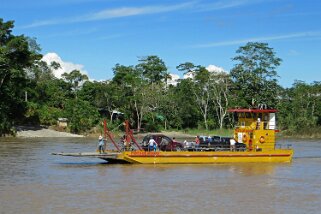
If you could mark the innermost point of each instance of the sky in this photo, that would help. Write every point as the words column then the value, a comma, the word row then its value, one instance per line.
column 94, row 35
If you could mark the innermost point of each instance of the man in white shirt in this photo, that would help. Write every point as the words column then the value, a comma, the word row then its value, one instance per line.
column 232, row 144
column 152, row 144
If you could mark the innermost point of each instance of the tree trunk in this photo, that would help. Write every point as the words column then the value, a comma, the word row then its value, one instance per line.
column 139, row 114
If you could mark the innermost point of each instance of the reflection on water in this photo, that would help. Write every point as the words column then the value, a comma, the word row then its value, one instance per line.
column 32, row 181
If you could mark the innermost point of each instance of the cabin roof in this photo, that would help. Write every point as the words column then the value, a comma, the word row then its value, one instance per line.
column 240, row 110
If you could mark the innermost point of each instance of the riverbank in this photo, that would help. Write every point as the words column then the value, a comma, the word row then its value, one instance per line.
column 40, row 131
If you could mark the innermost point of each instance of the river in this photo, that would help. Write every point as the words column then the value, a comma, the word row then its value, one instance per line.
column 33, row 181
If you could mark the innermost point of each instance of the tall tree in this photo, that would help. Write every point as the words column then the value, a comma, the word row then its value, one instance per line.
column 187, row 68
column 45, row 94
column 188, row 110
column 255, row 75
column 220, row 87
column 201, row 87
column 171, row 104
column 153, row 69
column 16, row 55
column 131, row 92
column 202, row 92
column 103, row 95
column 76, row 79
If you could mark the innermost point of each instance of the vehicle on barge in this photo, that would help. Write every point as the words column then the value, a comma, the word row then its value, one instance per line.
column 254, row 133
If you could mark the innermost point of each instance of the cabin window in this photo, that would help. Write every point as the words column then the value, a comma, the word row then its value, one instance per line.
column 266, row 118
column 272, row 121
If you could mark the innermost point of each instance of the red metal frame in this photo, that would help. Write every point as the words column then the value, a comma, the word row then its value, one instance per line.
column 129, row 135
column 107, row 132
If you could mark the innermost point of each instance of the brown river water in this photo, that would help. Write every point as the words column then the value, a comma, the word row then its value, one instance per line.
column 33, row 181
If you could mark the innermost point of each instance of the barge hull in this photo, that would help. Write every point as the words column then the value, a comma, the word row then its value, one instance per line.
column 276, row 156
column 184, row 157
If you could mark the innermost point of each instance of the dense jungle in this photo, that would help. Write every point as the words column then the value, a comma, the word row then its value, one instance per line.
column 142, row 93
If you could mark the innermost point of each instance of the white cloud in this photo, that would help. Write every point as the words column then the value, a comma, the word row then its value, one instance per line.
column 261, row 39
column 293, row 53
column 65, row 66
column 214, row 68
column 197, row 6
column 220, row 5
column 114, row 13
column 189, row 75
column 174, row 79
column 210, row 68
column 134, row 11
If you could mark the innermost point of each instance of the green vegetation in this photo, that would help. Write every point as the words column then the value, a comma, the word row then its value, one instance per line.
column 30, row 94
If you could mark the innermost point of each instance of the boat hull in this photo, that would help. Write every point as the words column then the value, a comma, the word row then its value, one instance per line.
column 201, row 157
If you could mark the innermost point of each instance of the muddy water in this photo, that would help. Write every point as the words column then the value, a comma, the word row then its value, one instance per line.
column 32, row 181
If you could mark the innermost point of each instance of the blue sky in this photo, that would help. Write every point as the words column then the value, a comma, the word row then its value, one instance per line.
column 97, row 34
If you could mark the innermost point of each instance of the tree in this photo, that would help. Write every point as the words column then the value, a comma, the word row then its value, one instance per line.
column 188, row 110
column 201, row 87
column 141, row 89
column 220, row 87
column 187, row 68
column 81, row 114
column 255, row 75
column 153, row 97
column 131, row 92
column 202, row 92
column 170, row 106
column 153, row 69
column 76, row 79
column 300, row 107
column 103, row 95
column 16, row 55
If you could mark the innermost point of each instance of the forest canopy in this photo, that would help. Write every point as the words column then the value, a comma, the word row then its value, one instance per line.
column 31, row 94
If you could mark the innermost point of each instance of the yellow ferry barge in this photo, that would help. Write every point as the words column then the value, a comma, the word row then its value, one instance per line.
column 256, row 128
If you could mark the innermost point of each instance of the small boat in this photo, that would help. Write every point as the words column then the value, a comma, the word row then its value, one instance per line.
column 256, row 130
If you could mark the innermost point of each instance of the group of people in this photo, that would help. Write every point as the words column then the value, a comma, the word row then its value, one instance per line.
column 126, row 145
column 152, row 145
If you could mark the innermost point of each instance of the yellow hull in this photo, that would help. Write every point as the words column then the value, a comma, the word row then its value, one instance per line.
column 201, row 157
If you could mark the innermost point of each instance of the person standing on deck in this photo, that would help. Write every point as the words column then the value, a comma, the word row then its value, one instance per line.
column 197, row 141
column 101, row 144
column 232, row 144
column 152, row 144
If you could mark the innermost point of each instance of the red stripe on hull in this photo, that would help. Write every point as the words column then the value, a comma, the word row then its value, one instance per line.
column 231, row 155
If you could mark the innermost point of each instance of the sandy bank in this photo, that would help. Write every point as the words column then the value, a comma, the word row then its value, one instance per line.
column 39, row 131
column 32, row 132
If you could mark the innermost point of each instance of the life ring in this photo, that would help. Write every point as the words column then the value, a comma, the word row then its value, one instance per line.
column 262, row 140
column 244, row 139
